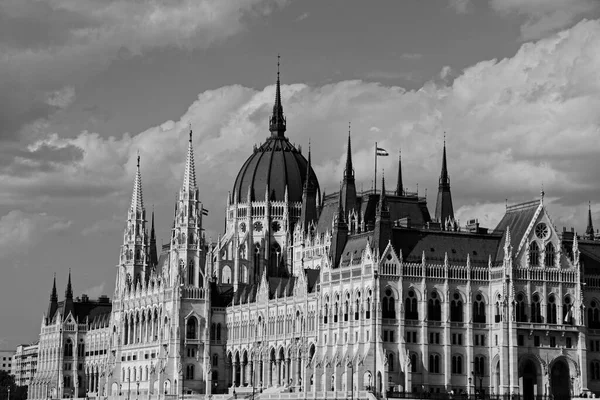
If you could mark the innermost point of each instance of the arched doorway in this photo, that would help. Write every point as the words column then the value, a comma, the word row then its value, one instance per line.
column 529, row 380
column 560, row 381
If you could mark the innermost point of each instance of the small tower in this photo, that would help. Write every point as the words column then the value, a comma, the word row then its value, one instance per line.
column 308, row 212
column 443, row 206
column 186, row 241
column 589, row 232
column 348, row 189
column 53, row 305
column 383, row 225
column 133, row 261
column 68, row 304
column 399, row 184
column 339, row 235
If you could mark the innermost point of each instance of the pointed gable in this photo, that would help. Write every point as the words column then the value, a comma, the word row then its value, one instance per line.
column 517, row 218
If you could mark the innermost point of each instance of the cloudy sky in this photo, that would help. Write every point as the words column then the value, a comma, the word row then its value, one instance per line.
column 85, row 84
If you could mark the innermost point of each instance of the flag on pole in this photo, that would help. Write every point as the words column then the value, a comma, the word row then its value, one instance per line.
column 382, row 152
column 569, row 316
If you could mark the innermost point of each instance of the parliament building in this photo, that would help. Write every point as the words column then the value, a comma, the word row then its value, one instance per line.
column 347, row 294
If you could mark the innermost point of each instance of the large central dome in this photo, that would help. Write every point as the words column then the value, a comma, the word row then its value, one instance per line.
column 276, row 164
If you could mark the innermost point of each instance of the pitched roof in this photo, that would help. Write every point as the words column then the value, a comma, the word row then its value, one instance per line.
column 436, row 244
column 354, row 248
column 517, row 218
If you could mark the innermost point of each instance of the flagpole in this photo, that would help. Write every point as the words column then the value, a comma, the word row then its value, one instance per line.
column 375, row 181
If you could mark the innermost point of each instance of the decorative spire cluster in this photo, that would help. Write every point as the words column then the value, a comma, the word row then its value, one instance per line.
column 277, row 122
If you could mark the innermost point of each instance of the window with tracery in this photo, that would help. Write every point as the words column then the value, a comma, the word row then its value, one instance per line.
column 479, row 309
column 456, row 309
column 434, row 308
column 534, row 254
column 411, row 310
column 549, row 255
column 389, row 305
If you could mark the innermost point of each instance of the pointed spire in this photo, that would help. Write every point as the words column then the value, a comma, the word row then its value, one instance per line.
column 349, row 171
column 589, row 232
column 53, row 305
column 277, row 122
column 137, row 201
column 69, row 291
column 153, row 253
column 444, row 178
column 400, row 184
column 443, row 208
column 189, row 176
column 54, row 295
column 382, row 207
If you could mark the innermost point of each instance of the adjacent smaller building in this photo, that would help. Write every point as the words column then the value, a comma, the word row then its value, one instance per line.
column 24, row 363
column 6, row 358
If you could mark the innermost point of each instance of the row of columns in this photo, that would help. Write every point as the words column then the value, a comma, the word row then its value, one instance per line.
column 93, row 382
column 279, row 370
column 142, row 331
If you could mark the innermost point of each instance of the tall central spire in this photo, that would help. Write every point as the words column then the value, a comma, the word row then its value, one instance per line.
column 277, row 122
column 189, row 176
column 137, row 201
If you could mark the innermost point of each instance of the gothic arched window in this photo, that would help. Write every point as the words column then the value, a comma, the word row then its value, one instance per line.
column 456, row 308
column 536, row 315
column 191, row 328
column 534, row 254
column 551, row 310
column 389, row 305
column 479, row 309
column 594, row 315
column 521, row 316
column 411, row 311
column 457, row 364
column 434, row 308
column 549, row 255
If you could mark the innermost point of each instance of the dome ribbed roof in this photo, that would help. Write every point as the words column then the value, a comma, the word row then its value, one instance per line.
column 275, row 164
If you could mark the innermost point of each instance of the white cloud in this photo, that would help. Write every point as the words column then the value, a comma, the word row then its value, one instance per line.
column 62, row 98
column 512, row 124
column 460, row 6
column 545, row 16
column 95, row 291
column 302, row 17
column 20, row 231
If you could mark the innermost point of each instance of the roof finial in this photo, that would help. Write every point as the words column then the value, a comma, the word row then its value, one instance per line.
column 277, row 121
column 542, row 194
column 138, row 158
column 190, row 124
